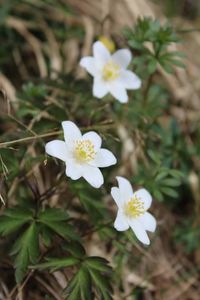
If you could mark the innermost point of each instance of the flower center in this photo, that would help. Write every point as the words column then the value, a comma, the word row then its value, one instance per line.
column 84, row 151
column 110, row 71
column 134, row 208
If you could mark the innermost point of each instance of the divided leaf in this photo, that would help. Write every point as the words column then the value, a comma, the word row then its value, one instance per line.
column 26, row 249
column 57, row 263
column 93, row 276
column 79, row 287
column 13, row 219
column 55, row 219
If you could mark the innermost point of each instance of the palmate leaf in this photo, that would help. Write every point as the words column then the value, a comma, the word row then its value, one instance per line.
column 100, row 273
column 13, row 219
column 55, row 220
column 79, row 287
column 26, row 249
column 53, row 215
column 98, row 263
column 102, row 284
column 63, row 229
column 95, row 209
column 75, row 248
column 57, row 263
column 94, row 274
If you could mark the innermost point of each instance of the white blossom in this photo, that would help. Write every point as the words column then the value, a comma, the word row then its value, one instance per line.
column 110, row 72
column 82, row 154
column 132, row 210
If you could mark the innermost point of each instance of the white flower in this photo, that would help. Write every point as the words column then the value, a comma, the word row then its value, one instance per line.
column 109, row 72
column 82, row 154
column 132, row 210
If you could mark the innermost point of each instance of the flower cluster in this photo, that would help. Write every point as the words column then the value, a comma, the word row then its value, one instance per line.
column 83, row 154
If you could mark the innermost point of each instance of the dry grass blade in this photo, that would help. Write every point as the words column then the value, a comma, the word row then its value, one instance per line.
column 20, row 26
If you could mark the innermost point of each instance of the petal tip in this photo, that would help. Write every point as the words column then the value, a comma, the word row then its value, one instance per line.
column 114, row 160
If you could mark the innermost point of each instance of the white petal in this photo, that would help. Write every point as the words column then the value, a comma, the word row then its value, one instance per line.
column 74, row 171
column 104, row 158
column 148, row 221
column 145, row 197
column 71, row 132
column 125, row 188
column 88, row 63
column 115, row 193
column 130, row 80
column 118, row 91
column 122, row 57
column 100, row 88
column 120, row 222
column 139, row 231
column 101, row 54
column 93, row 176
column 94, row 138
column 57, row 149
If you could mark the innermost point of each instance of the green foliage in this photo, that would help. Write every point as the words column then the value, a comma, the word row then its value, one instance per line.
column 188, row 236
column 57, row 263
column 92, row 276
column 90, row 200
column 151, row 40
column 54, row 219
column 80, row 286
column 48, row 238
column 26, row 251
column 13, row 219
column 31, row 224
column 161, row 180
column 94, row 271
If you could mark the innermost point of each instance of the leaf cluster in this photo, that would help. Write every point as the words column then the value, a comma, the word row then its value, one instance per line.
column 92, row 277
column 151, row 40
column 27, row 228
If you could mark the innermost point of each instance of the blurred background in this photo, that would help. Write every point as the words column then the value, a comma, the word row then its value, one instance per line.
column 51, row 37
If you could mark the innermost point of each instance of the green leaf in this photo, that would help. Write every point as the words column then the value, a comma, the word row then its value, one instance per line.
column 53, row 215
column 55, row 219
column 177, row 63
column 61, row 228
column 158, row 195
column 171, row 182
column 79, row 288
column 26, row 249
column 152, row 65
column 102, row 284
column 57, row 263
column 154, row 156
column 18, row 213
column 13, row 219
column 176, row 173
column 161, row 175
column 75, row 248
column 85, row 284
column 72, row 292
column 170, row 192
column 98, row 263
column 166, row 66
column 93, row 271
column 46, row 234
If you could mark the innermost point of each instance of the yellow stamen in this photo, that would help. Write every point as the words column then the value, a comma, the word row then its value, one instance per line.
column 84, row 151
column 134, row 208
column 110, row 71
